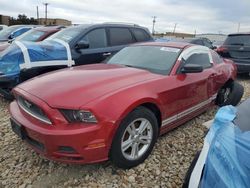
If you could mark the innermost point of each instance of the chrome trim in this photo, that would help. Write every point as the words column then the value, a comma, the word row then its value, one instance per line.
column 188, row 111
column 244, row 64
column 34, row 116
column 169, row 120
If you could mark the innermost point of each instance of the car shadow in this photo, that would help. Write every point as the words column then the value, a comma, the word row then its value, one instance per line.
column 242, row 77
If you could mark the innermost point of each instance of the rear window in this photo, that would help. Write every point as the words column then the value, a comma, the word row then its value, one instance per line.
column 120, row 36
column 243, row 40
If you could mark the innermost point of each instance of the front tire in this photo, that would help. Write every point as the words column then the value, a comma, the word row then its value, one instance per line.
column 134, row 139
column 230, row 94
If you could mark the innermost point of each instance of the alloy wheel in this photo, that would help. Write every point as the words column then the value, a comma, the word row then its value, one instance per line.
column 136, row 139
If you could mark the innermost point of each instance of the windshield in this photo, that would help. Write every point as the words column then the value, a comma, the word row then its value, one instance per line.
column 243, row 40
column 32, row 36
column 5, row 33
column 66, row 35
column 155, row 59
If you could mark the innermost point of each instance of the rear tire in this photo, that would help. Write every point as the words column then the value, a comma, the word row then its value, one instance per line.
column 230, row 94
column 6, row 94
column 134, row 139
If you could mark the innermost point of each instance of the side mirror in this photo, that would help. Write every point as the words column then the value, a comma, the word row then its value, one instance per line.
column 11, row 37
column 82, row 45
column 191, row 68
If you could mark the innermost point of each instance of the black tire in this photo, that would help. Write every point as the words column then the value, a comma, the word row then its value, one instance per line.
column 6, row 94
column 244, row 75
column 234, row 97
column 116, row 155
column 190, row 170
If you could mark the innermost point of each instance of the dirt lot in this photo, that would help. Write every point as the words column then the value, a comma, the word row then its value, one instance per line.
column 166, row 167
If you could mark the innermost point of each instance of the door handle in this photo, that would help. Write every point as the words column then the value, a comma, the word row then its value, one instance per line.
column 106, row 54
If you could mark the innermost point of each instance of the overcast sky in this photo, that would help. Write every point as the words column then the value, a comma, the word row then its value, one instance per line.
column 204, row 16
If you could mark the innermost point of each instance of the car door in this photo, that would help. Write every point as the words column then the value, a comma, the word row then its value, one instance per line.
column 119, row 37
column 192, row 91
column 221, row 69
column 94, row 51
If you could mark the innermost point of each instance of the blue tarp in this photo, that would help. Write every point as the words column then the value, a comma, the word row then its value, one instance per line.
column 12, row 57
column 228, row 159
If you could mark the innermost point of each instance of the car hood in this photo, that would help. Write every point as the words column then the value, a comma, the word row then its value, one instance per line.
column 74, row 87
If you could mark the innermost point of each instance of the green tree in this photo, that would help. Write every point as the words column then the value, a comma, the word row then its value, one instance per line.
column 23, row 19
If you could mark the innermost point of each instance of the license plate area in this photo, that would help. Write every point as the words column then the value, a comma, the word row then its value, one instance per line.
column 18, row 129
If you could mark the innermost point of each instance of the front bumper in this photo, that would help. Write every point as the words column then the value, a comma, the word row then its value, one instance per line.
column 88, row 144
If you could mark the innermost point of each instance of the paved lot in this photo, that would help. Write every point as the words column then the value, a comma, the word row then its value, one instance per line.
column 166, row 167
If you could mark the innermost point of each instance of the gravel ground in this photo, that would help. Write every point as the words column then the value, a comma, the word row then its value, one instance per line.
column 166, row 166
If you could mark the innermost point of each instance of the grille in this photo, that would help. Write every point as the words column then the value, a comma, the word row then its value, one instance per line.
column 33, row 110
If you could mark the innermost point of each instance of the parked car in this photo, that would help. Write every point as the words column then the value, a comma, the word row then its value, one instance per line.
column 78, row 45
column 34, row 35
column 3, row 27
column 14, row 31
column 199, row 41
column 117, row 110
column 217, row 44
column 203, row 41
column 237, row 48
column 224, row 159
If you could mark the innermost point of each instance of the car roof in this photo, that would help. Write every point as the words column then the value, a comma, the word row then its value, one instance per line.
column 180, row 45
column 240, row 33
column 50, row 28
column 84, row 26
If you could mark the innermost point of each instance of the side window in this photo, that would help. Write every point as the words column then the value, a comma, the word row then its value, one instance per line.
column 96, row 38
column 140, row 35
column 199, row 59
column 216, row 57
column 208, row 43
column 198, row 42
column 120, row 36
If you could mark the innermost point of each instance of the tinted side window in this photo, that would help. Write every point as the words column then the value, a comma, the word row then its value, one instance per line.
column 140, row 35
column 216, row 57
column 199, row 59
column 208, row 43
column 96, row 38
column 199, row 42
column 120, row 36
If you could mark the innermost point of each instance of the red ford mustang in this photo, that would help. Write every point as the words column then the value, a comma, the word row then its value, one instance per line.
column 117, row 110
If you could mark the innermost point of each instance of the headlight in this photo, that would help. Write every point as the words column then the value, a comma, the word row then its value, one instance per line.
column 79, row 116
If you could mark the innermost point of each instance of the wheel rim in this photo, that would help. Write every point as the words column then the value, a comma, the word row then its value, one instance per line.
column 136, row 139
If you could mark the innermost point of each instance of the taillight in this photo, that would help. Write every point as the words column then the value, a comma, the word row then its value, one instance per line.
column 222, row 49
